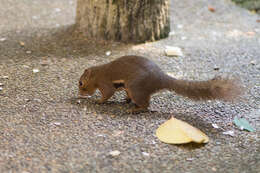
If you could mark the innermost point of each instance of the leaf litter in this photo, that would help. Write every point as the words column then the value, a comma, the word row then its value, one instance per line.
column 175, row 131
column 243, row 124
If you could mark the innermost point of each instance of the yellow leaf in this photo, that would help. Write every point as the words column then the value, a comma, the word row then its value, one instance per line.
column 175, row 131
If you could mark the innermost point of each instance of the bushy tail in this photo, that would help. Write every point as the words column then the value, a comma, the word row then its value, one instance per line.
column 217, row 88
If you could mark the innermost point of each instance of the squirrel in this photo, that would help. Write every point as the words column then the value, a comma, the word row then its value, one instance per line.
column 141, row 77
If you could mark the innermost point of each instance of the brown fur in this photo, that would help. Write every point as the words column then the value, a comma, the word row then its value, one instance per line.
column 141, row 77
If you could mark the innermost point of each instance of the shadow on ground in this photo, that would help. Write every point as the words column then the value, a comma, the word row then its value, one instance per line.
column 59, row 42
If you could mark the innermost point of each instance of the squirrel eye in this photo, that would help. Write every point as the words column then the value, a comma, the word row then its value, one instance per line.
column 80, row 83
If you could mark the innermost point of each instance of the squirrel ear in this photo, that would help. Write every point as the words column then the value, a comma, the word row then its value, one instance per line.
column 87, row 73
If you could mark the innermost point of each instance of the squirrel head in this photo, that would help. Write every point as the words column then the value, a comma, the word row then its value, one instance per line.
column 87, row 85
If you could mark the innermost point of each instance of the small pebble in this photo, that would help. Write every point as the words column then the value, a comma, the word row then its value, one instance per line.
column 57, row 123
column 1, row 88
column 215, row 126
column 22, row 43
column 179, row 26
column 100, row 117
column 57, row 9
column 113, row 116
column 36, row 70
column 5, row 77
column 118, row 133
column 78, row 101
column 26, row 66
column 252, row 63
column 25, row 172
column 37, row 100
column 108, row 53
column 250, row 33
column 214, row 169
column 173, row 51
column 114, row 153
column 1, row 84
column 218, row 143
column 183, row 38
column 230, row 133
column 190, row 159
column 28, row 52
column 2, row 39
column 171, row 33
column 145, row 154
column 216, row 68
column 211, row 9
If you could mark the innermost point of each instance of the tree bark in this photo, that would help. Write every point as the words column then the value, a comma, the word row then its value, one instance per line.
column 123, row 20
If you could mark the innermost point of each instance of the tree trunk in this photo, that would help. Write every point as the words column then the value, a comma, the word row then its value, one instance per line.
column 123, row 20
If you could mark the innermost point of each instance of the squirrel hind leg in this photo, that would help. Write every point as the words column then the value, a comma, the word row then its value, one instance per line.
column 141, row 100
column 128, row 99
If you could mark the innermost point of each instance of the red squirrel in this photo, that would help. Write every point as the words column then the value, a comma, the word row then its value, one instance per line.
column 141, row 77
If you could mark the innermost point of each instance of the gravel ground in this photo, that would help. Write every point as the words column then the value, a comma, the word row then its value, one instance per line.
column 44, row 127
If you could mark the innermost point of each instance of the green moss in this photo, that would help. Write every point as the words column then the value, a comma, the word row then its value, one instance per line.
column 165, row 32
column 103, row 26
column 114, row 1
column 249, row 4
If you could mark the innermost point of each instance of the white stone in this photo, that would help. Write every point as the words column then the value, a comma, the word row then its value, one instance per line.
column 108, row 53
column 230, row 133
column 2, row 39
column 114, row 153
column 57, row 123
column 57, row 9
column 183, row 38
column 171, row 33
column 180, row 26
column 145, row 154
column 173, row 51
column 215, row 126
column 36, row 70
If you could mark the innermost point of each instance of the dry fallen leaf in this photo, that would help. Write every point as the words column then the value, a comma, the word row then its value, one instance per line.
column 22, row 43
column 243, row 124
column 212, row 9
column 250, row 33
column 175, row 131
